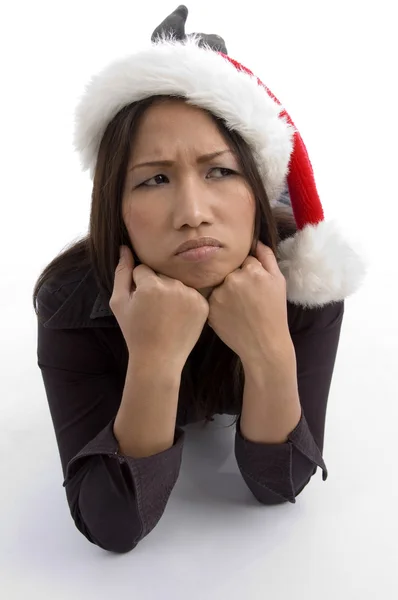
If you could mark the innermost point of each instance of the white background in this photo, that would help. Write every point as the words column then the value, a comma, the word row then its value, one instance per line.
column 332, row 65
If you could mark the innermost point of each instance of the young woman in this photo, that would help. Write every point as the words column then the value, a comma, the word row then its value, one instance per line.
column 189, row 151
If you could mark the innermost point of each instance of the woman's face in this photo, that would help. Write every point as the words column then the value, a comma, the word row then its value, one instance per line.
column 165, row 205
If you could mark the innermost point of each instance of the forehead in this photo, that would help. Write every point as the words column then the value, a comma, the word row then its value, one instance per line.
column 175, row 123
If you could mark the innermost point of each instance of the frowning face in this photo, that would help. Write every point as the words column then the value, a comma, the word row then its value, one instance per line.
column 196, row 189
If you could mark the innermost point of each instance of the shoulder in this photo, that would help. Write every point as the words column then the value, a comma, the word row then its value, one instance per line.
column 57, row 293
column 303, row 320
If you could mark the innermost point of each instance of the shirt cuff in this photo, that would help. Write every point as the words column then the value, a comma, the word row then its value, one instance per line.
column 105, row 443
column 153, row 476
column 279, row 472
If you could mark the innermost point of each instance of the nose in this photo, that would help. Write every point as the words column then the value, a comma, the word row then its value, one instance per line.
column 192, row 205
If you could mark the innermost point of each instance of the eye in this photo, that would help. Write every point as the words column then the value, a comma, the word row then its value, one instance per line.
column 227, row 172
column 158, row 178
column 155, row 178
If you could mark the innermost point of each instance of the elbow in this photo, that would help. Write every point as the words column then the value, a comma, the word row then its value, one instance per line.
column 119, row 539
column 107, row 515
column 264, row 493
column 120, row 544
column 119, row 548
column 269, row 498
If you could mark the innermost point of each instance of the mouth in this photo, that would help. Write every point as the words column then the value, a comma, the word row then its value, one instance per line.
column 200, row 254
column 198, row 243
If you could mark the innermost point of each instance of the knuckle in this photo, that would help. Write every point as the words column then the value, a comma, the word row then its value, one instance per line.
column 114, row 300
column 230, row 277
column 121, row 267
column 178, row 285
column 140, row 269
column 252, row 267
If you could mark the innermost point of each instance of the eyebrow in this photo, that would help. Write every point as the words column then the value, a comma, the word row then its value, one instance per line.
column 169, row 163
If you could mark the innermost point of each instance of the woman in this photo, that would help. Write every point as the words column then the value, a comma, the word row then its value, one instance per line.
column 183, row 143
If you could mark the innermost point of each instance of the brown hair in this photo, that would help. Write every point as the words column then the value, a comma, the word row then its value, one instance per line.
column 216, row 371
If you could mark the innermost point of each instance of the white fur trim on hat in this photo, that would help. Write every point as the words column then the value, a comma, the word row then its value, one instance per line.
column 207, row 80
column 319, row 266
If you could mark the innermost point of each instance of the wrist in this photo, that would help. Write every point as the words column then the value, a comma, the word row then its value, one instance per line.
column 163, row 367
column 276, row 357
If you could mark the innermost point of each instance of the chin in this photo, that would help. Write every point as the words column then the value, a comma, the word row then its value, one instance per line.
column 203, row 282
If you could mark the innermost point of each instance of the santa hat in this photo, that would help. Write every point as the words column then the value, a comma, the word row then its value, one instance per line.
column 318, row 264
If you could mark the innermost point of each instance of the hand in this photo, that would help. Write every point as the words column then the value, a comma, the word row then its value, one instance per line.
column 159, row 316
column 248, row 311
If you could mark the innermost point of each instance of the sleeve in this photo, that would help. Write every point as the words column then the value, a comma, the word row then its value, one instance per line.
column 277, row 473
column 114, row 500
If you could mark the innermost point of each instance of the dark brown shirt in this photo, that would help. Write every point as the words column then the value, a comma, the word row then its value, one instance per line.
column 117, row 500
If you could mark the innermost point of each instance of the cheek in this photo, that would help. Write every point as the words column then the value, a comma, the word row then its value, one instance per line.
column 245, row 218
column 139, row 223
column 242, row 210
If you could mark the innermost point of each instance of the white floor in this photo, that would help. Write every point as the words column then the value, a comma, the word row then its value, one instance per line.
column 214, row 541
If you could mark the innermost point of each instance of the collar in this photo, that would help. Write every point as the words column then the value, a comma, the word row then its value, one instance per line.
column 84, row 306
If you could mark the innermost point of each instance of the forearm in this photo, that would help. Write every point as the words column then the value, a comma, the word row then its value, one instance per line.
column 271, row 403
column 116, row 501
column 146, row 420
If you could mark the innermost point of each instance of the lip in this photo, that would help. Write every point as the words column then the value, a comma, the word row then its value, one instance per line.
column 200, row 254
column 198, row 243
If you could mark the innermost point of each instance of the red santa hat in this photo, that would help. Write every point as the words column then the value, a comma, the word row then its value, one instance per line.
column 318, row 264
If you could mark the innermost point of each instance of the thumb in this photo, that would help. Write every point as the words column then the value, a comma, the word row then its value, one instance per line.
column 267, row 258
column 126, row 256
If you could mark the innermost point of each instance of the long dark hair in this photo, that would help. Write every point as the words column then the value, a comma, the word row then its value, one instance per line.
column 216, row 371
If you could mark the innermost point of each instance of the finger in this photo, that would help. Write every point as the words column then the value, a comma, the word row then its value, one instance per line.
column 141, row 273
column 267, row 258
column 124, row 272
column 250, row 260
